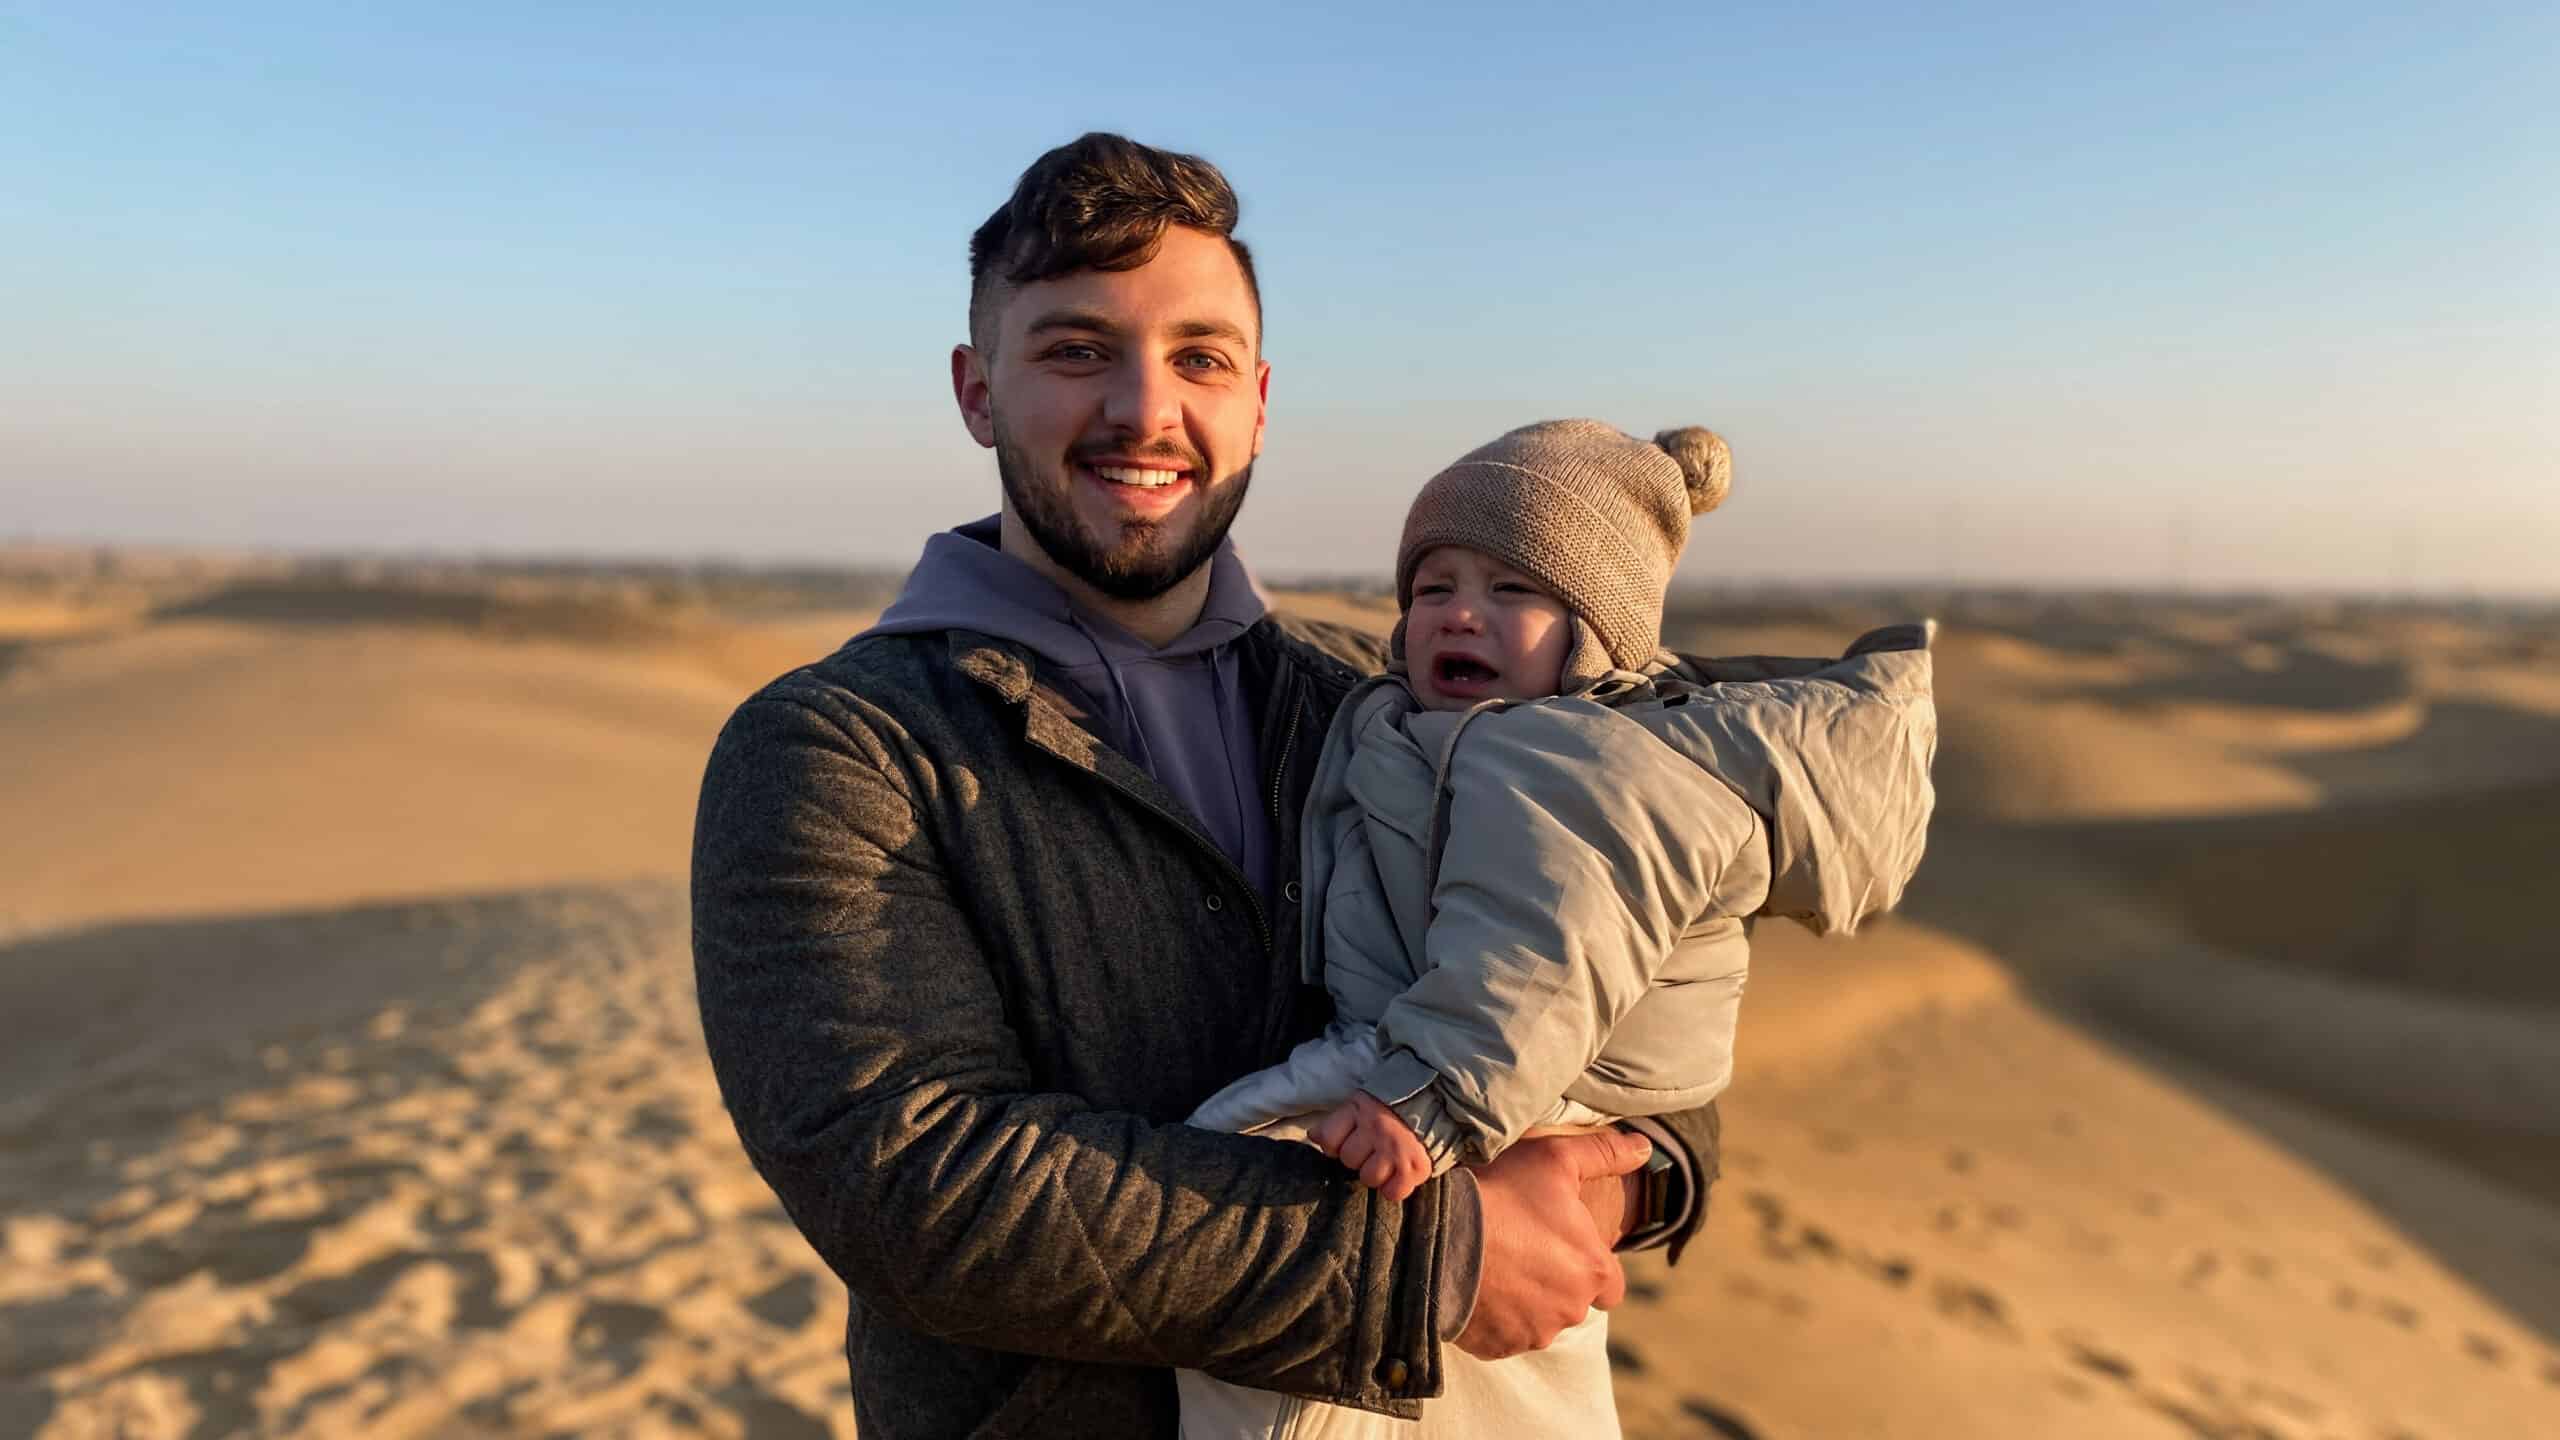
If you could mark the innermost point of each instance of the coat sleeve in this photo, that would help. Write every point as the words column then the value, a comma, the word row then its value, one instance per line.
column 1556, row 902
column 861, row 1044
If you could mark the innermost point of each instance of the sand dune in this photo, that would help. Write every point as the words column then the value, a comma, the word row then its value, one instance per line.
column 202, row 765
column 349, row 1082
column 2015, row 759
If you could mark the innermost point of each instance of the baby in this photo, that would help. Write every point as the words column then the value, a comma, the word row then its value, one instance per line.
column 1532, row 851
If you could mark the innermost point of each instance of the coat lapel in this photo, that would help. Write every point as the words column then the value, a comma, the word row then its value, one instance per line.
column 1048, row 725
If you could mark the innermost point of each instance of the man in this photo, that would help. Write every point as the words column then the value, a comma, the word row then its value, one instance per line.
column 986, row 902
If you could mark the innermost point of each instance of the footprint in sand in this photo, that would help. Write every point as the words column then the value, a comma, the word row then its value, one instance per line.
column 1974, row 1308
column 2103, row 1362
column 616, row 1330
column 791, row 1302
column 767, row 1416
column 1893, row 1270
column 1717, row 1420
column 658, row 1125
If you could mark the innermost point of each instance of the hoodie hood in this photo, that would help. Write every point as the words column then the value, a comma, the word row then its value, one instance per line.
column 1836, row 761
column 1177, row 710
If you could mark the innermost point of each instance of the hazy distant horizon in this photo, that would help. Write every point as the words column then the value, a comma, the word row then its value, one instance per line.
column 1689, row 582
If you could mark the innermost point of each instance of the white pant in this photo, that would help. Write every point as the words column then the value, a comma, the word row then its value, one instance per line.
column 1562, row 1392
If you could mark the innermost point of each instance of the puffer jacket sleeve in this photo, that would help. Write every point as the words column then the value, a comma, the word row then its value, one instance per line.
column 1557, row 900
column 861, row 1045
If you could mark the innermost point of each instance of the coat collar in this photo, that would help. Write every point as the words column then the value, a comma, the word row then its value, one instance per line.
column 1048, row 723
column 1048, row 714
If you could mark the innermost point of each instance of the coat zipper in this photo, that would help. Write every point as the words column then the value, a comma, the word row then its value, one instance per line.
column 1286, row 842
column 1280, row 772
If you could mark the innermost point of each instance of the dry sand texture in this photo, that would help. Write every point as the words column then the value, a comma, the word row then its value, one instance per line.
column 352, row 1085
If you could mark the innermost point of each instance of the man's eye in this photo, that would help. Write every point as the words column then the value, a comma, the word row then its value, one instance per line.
column 1199, row 360
column 1075, row 350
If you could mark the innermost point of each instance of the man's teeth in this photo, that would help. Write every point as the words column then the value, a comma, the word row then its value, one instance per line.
column 1122, row 475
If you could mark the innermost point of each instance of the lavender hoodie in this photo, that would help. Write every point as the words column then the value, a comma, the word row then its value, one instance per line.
column 1178, row 711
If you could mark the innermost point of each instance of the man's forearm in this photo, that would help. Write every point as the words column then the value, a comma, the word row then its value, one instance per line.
column 1028, row 1223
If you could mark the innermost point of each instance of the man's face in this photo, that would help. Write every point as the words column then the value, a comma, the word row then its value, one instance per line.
column 1125, row 409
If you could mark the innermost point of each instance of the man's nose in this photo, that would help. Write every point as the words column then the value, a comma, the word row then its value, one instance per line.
column 1142, row 399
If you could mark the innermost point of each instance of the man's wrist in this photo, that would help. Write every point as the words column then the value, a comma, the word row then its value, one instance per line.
column 1657, row 1191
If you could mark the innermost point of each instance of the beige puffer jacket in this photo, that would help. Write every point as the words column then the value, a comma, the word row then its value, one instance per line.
column 1549, row 898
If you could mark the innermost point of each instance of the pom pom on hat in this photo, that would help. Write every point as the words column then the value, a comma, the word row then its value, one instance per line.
column 1706, row 463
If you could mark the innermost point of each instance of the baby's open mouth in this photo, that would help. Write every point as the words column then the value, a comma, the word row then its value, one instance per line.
column 1461, row 670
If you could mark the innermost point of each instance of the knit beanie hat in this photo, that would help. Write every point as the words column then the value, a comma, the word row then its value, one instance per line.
column 1596, row 516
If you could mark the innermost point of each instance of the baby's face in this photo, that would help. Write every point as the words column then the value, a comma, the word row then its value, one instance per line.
column 1480, row 630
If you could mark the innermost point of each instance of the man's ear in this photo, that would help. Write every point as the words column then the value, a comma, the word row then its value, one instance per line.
column 1261, row 402
column 969, row 387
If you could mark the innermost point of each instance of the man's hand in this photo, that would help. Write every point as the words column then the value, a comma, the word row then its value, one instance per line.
column 1547, row 1260
column 1374, row 1141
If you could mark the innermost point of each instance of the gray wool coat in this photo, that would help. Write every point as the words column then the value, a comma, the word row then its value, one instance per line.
column 963, row 970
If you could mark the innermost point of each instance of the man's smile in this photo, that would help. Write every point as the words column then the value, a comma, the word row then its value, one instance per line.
column 1148, row 487
column 1129, row 475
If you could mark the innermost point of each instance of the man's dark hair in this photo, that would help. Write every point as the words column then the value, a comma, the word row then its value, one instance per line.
column 1100, row 202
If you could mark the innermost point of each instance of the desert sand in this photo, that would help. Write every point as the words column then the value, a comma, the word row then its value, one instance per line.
column 2208, row 1086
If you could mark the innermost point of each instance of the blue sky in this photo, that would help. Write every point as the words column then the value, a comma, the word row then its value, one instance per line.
column 2159, row 295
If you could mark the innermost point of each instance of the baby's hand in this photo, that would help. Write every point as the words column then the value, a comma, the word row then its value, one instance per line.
column 1369, row 1138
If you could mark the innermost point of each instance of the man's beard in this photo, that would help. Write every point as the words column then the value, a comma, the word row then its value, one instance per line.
column 1141, row 562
